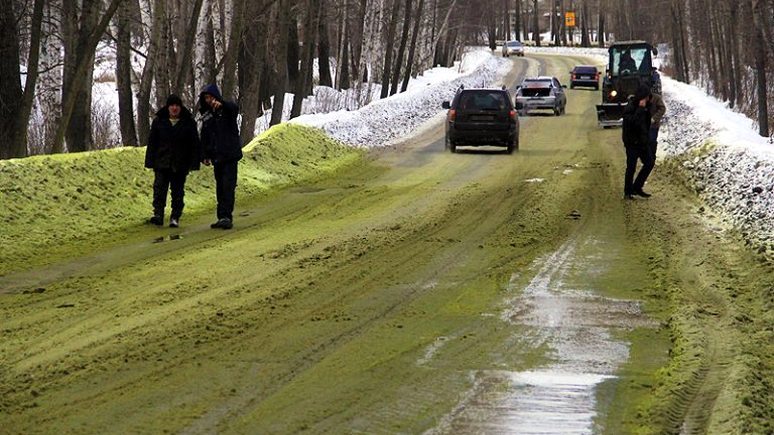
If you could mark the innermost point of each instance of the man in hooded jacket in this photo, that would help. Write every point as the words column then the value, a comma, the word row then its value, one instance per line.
column 173, row 150
column 222, row 148
column 636, row 139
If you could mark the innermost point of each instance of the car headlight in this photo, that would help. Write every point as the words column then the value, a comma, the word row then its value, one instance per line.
column 613, row 93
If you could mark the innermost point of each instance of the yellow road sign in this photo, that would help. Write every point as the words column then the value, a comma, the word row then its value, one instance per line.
column 569, row 19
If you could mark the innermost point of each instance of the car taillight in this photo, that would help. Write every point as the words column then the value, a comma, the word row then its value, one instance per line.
column 572, row 76
column 452, row 114
column 513, row 114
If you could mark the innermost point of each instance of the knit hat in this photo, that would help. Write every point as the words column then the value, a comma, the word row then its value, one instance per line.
column 643, row 91
column 173, row 99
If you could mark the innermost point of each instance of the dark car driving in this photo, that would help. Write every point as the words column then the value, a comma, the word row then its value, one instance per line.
column 482, row 117
column 584, row 75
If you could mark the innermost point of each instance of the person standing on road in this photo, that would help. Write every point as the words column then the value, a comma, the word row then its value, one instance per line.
column 636, row 139
column 222, row 148
column 657, row 111
column 173, row 150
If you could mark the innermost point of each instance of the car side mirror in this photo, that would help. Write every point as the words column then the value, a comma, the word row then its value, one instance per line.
column 519, row 105
column 446, row 105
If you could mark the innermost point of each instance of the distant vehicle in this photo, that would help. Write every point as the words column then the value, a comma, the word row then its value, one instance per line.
column 584, row 75
column 481, row 117
column 629, row 65
column 513, row 47
column 541, row 93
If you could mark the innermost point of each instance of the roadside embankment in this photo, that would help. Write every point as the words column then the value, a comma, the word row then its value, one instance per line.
column 51, row 201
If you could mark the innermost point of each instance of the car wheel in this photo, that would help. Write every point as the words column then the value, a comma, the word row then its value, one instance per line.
column 516, row 143
column 572, row 86
column 557, row 111
column 452, row 148
column 446, row 142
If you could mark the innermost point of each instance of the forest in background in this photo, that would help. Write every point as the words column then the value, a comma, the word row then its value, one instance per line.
column 259, row 50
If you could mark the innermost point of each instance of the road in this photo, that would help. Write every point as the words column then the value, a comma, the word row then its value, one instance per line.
column 419, row 291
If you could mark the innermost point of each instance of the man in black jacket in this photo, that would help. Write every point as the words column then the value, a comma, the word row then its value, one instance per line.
column 636, row 139
column 173, row 150
column 222, row 148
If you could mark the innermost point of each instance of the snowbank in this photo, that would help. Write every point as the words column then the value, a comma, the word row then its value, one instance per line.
column 728, row 164
column 384, row 121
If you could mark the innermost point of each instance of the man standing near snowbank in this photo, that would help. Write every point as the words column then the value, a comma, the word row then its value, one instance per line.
column 636, row 139
column 222, row 148
column 173, row 150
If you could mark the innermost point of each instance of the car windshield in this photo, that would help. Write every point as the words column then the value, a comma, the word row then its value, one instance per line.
column 585, row 70
column 483, row 100
column 514, row 44
column 630, row 60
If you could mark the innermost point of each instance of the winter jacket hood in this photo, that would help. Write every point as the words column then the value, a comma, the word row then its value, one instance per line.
column 211, row 89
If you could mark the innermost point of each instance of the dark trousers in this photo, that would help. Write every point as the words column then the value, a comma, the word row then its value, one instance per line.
column 653, row 144
column 165, row 180
column 632, row 155
column 225, row 187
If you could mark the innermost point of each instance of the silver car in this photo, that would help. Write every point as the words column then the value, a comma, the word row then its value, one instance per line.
column 513, row 47
column 543, row 92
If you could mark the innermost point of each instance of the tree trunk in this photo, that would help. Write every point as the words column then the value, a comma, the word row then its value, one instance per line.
column 186, row 51
column 303, row 86
column 146, row 80
column 401, row 47
column 601, row 28
column 413, row 47
column 517, row 20
column 762, row 88
column 124, row 77
column 323, row 50
column 10, row 85
column 252, row 55
column 280, row 61
column 388, row 47
column 164, row 56
column 79, row 64
column 293, row 52
column 506, row 20
column 585, row 40
column 535, row 23
column 344, row 61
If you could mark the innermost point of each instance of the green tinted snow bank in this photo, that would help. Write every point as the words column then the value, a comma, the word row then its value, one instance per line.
column 50, row 202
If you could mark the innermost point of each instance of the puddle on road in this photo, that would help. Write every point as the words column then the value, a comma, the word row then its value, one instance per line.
column 577, row 327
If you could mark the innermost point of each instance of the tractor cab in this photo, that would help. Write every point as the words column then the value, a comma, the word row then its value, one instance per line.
column 629, row 64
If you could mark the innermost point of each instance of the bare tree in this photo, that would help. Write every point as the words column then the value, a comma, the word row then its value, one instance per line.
column 81, row 42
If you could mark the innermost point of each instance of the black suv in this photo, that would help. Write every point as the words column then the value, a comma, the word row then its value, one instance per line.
column 480, row 117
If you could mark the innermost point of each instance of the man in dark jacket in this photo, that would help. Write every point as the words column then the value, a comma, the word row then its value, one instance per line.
column 173, row 150
column 222, row 148
column 636, row 139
